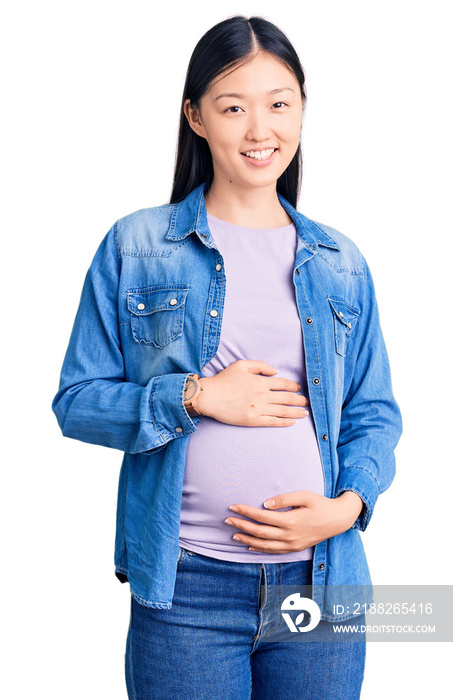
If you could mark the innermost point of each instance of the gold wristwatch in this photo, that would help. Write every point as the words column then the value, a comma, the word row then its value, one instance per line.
column 192, row 391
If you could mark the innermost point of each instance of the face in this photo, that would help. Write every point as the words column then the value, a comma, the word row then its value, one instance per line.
column 254, row 108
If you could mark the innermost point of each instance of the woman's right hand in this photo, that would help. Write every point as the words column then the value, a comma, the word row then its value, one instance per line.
column 240, row 395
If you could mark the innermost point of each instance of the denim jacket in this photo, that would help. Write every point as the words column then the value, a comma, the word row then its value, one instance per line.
column 150, row 313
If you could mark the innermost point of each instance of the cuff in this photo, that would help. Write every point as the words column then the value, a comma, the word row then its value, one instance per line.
column 363, row 483
column 167, row 407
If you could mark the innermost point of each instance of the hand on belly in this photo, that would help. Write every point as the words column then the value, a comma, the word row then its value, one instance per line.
column 311, row 519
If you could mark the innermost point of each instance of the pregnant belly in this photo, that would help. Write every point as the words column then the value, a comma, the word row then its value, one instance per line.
column 228, row 464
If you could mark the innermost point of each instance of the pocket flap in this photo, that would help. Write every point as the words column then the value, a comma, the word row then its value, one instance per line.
column 142, row 302
column 344, row 312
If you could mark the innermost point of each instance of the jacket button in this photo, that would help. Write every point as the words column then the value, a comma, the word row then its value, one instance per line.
column 140, row 307
column 173, row 302
column 341, row 314
column 178, row 430
column 316, row 381
column 218, row 267
column 297, row 271
column 308, row 320
column 321, row 566
column 324, row 437
column 214, row 312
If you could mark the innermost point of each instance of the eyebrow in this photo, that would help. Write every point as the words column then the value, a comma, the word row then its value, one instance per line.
column 235, row 94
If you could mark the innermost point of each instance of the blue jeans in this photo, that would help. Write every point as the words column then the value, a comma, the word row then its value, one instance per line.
column 218, row 641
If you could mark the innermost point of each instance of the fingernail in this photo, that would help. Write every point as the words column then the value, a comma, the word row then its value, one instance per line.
column 235, row 537
column 269, row 503
column 236, row 510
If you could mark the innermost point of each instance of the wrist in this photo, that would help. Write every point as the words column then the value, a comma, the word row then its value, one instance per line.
column 201, row 401
column 351, row 506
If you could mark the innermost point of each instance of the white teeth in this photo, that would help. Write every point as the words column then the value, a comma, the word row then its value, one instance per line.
column 260, row 155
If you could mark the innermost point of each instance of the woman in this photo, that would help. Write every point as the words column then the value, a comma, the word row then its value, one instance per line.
column 223, row 310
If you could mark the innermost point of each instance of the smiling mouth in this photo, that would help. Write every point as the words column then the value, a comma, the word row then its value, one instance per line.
column 264, row 154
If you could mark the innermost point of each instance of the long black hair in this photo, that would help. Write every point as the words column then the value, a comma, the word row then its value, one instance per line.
column 228, row 44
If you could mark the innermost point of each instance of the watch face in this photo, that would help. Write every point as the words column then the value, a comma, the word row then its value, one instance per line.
column 190, row 388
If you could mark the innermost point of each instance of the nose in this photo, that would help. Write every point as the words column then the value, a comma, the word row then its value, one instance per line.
column 257, row 127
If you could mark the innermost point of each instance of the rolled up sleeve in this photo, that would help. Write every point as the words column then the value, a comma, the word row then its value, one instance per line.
column 371, row 423
column 94, row 402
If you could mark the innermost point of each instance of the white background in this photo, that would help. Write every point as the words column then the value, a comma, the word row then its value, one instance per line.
column 92, row 93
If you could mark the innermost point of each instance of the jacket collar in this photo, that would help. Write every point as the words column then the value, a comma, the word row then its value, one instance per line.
column 190, row 216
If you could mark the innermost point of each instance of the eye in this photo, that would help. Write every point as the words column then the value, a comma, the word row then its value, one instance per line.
column 284, row 104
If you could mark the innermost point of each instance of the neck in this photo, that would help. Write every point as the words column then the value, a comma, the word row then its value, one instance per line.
column 252, row 207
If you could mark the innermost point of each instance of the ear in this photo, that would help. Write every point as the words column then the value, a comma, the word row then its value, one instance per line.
column 194, row 118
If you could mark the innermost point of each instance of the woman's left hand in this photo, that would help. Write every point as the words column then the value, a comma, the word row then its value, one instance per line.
column 313, row 518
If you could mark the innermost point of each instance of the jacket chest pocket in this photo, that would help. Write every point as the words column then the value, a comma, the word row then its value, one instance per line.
column 157, row 313
column 345, row 318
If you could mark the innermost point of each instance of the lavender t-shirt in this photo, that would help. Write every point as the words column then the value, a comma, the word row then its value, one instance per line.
column 228, row 464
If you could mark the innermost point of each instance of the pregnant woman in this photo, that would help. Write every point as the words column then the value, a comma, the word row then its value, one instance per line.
column 231, row 348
